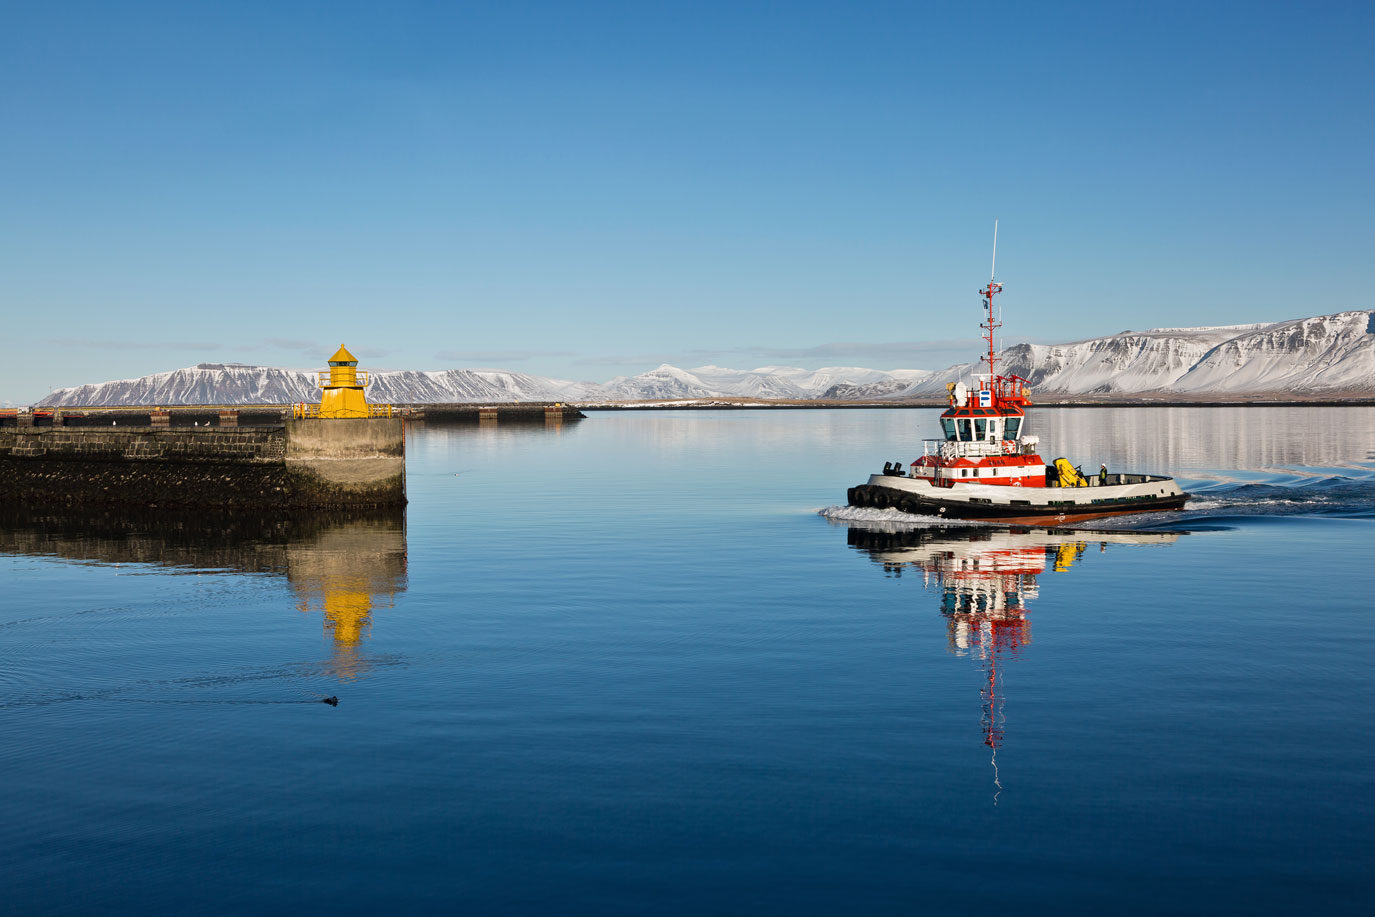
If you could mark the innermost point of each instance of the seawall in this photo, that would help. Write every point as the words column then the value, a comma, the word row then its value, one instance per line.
column 206, row 415
column 504, row 413
column 308, row 463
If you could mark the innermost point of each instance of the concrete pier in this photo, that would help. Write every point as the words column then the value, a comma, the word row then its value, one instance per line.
column 348, row 462
column 300, row 463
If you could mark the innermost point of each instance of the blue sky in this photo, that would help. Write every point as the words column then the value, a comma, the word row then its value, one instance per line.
column 585, row 190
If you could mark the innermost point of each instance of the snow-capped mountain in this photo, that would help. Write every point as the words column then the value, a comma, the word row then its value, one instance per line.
column 1132, row 361
column 1309, row 356
column 235, row 383
column 1328, row 353
column 768, row 382
column 460, row 385
column 664, row 382
column 207, row 383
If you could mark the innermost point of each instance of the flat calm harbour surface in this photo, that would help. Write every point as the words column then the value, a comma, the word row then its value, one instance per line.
column 626, row 666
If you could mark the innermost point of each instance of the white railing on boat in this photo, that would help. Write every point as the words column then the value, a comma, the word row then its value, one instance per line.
column 948, row 449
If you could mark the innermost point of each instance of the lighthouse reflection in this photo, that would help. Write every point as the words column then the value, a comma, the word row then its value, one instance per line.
column 346, row 571
column 343, row 565
column 985, row 578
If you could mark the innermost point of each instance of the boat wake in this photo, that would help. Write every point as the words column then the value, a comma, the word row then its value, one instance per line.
column 887, row 520
column 1333, row 495
column 1328, row 496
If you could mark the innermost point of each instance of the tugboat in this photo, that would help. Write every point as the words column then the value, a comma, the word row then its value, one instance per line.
column 987, row 468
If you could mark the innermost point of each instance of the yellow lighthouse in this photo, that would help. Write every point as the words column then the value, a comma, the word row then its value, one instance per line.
column 343, row 385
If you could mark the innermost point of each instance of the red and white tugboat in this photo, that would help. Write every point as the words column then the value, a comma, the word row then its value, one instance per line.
column 986, row 467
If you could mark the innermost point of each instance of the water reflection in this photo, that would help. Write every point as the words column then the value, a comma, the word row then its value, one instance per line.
column 985, row 577
column 346, row 570
column 344, row 565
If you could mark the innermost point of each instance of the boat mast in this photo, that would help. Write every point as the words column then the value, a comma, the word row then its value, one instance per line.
column 987, row 294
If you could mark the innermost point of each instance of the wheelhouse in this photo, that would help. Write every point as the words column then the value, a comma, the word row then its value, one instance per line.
column 965, row 424
column 984, row 421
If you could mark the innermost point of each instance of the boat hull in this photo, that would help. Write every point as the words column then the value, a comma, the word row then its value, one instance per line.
column 1021, row 505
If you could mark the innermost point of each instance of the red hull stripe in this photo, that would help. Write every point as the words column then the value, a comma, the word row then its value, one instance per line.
column 995, row 461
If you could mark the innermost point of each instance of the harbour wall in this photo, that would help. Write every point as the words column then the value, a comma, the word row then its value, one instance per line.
column 520, row 412
column 312, row 463
column 209, row 415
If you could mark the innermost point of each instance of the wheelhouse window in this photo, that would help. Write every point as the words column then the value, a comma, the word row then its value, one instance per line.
column 980, row 429
column 1014, row 424
column 964, row 429
column 948, row 425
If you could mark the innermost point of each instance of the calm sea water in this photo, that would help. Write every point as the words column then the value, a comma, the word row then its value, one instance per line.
column 624, row 666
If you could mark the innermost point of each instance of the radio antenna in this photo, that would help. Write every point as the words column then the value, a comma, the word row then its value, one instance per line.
column 994, row 321
column 993, row 271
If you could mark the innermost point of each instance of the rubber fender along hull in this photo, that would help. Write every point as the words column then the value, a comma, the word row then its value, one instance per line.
column 867, row 495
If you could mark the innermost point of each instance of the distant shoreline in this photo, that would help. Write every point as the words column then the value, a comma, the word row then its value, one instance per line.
column 741, row 404
column 733, row 404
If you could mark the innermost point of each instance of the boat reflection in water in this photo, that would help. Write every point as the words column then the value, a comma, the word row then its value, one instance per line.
column 985, row 577
column 342, row 564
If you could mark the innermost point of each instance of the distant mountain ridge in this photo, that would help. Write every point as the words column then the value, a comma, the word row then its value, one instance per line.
column 237, row 383
column 1308, row 356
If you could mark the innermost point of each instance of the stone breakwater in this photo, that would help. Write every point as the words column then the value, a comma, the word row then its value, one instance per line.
column 311, row 463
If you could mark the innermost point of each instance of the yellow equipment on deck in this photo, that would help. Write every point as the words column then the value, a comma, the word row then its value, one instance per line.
column 1069, row 475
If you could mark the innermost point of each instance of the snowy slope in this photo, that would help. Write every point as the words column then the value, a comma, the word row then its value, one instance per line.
column 1332, row 353
column 664, row 382
column 780, row 382
column 1127, row 362
column 1326, row 353
column 207, row 383
column 460, row 385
